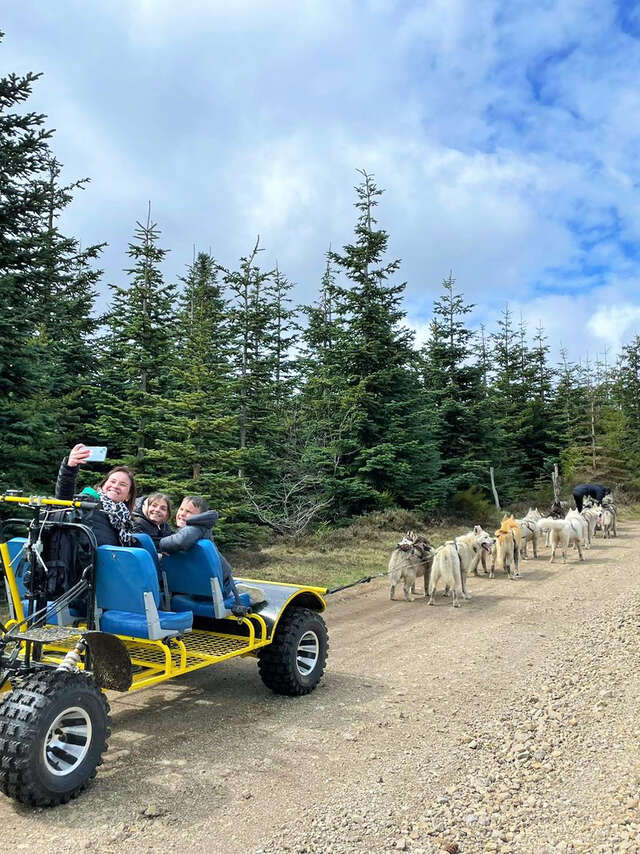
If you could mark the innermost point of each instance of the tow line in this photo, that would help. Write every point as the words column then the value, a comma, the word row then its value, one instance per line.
column 364, row 580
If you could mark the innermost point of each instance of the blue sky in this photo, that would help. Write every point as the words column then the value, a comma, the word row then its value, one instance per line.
column 505, row 132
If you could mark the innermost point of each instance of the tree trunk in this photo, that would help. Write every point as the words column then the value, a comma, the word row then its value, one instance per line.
column 493, row 489
column 555, row 479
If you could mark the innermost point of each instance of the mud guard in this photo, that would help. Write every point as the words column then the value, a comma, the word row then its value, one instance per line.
column 111, row 664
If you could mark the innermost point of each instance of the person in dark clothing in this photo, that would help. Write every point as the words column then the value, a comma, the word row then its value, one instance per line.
column 595, row 490
column 115, row 497
column 194, row 521
column 151, row 516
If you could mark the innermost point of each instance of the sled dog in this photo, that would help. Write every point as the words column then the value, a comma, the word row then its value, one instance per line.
column 412, row 558
column 564, row 532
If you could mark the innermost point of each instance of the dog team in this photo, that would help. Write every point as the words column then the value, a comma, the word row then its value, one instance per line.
column 449, row 565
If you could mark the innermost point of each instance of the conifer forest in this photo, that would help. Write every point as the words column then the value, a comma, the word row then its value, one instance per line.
column 285, row 416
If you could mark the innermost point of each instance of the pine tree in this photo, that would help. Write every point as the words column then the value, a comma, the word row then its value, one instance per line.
column 626, row 394
column 509, row 397
column 595, row 446
column 264, row 329
column 247, row 317
column 46, row 293
column 64, row 290
column 136, row 355
column 390, row 456
column 457, row 395
column 24, row 150
column 539, row 427
column 198, row 450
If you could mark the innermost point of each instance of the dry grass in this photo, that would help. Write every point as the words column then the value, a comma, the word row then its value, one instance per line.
column 629, row 511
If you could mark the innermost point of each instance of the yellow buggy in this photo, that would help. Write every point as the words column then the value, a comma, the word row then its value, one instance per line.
column 85, row 618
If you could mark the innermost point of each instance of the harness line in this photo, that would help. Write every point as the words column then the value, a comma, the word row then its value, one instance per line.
column 364, row 580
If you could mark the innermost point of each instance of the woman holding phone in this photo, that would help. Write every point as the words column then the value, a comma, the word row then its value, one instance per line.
column 115, row 495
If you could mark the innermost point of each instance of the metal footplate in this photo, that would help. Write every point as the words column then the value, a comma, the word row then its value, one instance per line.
column 48, row 634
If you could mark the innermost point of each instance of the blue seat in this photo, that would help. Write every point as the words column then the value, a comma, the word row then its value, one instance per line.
column 195, row 580
column 128, row 595
column 18, row 564
column 145, row 542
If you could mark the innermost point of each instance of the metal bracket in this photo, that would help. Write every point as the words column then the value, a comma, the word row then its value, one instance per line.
column 154, row 629
column 219, row 610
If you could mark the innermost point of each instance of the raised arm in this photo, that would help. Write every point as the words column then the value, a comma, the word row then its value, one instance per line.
column 68, row 471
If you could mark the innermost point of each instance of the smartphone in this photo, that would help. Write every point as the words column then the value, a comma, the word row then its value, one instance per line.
column 98, row 454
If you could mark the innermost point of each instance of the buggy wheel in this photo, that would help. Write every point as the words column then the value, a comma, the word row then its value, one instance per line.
column 294, row 662
column 54, row 727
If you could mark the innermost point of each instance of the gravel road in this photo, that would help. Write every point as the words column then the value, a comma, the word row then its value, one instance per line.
column 508, row 725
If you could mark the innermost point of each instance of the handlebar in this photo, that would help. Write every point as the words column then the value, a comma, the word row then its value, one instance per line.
column 41, row 501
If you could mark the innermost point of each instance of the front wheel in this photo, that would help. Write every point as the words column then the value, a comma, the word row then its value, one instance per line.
column 54, row 727
column 294, row 662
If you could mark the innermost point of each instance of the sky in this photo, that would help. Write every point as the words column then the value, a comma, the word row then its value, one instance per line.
column 505, row 134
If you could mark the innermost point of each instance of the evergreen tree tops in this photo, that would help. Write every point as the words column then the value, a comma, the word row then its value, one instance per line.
column 137, row 352
column 457, row 395
column 373, row 367
column 46, row 297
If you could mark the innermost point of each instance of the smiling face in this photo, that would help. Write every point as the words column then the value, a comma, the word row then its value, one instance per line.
column 117, row 486
column 186, row 510
column 157, row 511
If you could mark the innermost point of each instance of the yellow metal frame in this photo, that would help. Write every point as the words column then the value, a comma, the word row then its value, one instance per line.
column 155, row 661
column 11, row 578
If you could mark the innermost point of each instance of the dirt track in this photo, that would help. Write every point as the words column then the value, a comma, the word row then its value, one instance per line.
column 214, row 762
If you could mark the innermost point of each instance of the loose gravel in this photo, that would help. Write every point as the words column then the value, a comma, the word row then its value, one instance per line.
column 557, row 772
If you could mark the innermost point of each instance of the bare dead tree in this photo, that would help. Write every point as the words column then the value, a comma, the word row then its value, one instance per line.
column 290, row 507
column 493, row 489
column 555, row 479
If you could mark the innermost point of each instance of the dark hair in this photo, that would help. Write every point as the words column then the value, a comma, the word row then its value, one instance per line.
column 198, row 501
column 132, row 492
column 159, row 496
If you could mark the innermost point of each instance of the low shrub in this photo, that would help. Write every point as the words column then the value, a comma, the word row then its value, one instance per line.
column 472, row 506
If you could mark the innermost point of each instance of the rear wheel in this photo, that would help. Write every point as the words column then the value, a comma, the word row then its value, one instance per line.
column 54, row 727
column 294, row 662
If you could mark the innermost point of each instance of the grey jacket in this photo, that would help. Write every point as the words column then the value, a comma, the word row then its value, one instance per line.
column 197, row 528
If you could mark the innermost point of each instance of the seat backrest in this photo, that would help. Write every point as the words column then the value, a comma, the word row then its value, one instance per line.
column 123, row 575
column 18, row 564
column 145, row 542
column 191, row 571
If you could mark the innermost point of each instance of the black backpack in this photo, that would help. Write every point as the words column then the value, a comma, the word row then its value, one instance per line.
column 66, row 552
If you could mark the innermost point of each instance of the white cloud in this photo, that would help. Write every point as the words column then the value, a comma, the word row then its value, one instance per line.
column 615, row 324
column 505, row 135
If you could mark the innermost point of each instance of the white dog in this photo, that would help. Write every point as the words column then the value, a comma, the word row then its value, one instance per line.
column 529, row 531
column 473, row 547
column 564, row 532
column 578, row 519
column 590, row 515
column 446, row 568
column 457, row 559
column 608, row 522
column 607, row 503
